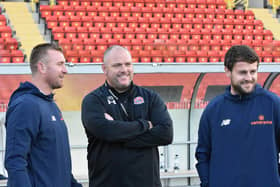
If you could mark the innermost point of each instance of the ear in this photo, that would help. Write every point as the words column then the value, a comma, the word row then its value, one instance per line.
column 103, row 68
column 228, row 72
column 41, row 67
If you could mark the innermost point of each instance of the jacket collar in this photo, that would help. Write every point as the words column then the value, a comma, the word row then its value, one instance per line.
column 258, row 89
column 126, row 93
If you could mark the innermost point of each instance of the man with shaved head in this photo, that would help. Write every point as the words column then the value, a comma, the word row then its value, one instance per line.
column 125, row 124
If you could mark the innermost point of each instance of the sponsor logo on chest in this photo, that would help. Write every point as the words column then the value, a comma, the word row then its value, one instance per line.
column 261, row 121
column 111, row 100
column 138, row 100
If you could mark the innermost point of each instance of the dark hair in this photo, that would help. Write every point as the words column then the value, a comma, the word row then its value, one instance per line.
column 39, row 53
column 240, row 53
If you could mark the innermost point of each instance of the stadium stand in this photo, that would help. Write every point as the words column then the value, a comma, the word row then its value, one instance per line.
column 175, row 31
column 23, row 23
column 9, row 46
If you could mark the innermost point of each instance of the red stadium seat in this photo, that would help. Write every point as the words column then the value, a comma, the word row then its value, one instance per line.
column 180, row 59
column 5, row 56
column 17, row 56
column 202, row 56
column 85, row 56
column 214, row 56
column 145, row 59
column 97, row 59
column 58, row 33
column 191, row 56
column 268, row 36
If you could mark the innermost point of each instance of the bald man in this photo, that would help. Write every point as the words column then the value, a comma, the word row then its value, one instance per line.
column 125, row 124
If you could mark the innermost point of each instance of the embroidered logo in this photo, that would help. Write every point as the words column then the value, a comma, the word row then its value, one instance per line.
column 261, row 117
column 111, row 100
column 225, row 122
column 53, row 118
column 61, row 117
column 261, row 121
column 138, row 100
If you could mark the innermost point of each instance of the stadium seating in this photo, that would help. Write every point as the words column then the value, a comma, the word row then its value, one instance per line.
column 176, row 31
column 198, row 24
column 9, row 46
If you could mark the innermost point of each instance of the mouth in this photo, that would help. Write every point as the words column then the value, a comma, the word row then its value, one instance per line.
column 247, row 85
column 123, row 76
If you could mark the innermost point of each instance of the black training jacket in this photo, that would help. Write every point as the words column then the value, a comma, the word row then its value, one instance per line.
column 123, row 152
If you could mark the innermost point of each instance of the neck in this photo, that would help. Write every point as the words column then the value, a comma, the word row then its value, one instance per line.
column 41, row 85
column 116, row 89
column 122, row 91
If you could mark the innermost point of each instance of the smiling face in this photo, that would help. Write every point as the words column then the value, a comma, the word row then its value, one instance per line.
column 55, row 69
column 243, row 77
column 118, row 69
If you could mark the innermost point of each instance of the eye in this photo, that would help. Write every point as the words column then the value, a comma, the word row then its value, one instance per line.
column 128, row 64
column 117, row 65
column 243, row 72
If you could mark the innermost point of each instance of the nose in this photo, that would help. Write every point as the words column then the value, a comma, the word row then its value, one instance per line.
column 248, row 76
column 64, row 69
column 123, row 68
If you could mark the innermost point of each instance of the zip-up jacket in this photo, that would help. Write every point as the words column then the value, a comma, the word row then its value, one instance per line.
column 239, row 140
column 37, row 147
column 123, row 151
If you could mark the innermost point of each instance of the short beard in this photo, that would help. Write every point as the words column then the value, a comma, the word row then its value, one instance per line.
column 240, row 90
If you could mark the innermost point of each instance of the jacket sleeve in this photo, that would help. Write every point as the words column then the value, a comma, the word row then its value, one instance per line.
column 22, row 129
column 277, row 125
column 162, row 131
column 74, row 182
column 97, row 125
column 203, row 150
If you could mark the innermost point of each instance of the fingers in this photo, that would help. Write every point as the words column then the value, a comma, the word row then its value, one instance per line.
column 108, row 117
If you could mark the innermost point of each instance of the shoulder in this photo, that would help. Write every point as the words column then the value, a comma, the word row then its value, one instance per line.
column 98, row 92
column 215, row 102
column 95, row 96
column 149, row 94
column 266, row 94
column 145, row 91
column 29, row 101
column 24, row 107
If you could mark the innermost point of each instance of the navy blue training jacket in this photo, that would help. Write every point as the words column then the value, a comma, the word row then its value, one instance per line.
column 37, row 147
column 239, row 141
column 123, row 152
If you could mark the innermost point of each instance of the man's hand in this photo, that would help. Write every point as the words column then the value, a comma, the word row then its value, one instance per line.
column 108, row 117
column 150, row 124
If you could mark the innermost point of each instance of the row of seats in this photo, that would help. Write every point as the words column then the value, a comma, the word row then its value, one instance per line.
column 202, row 38
column 11, row 56
column 9, row 46
column 152, row 27
column 152, row 4
column 169, row 59
column 45, row 11
column 163, row 53
column 159, row 42
column 78, row 21
column 192, row 45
